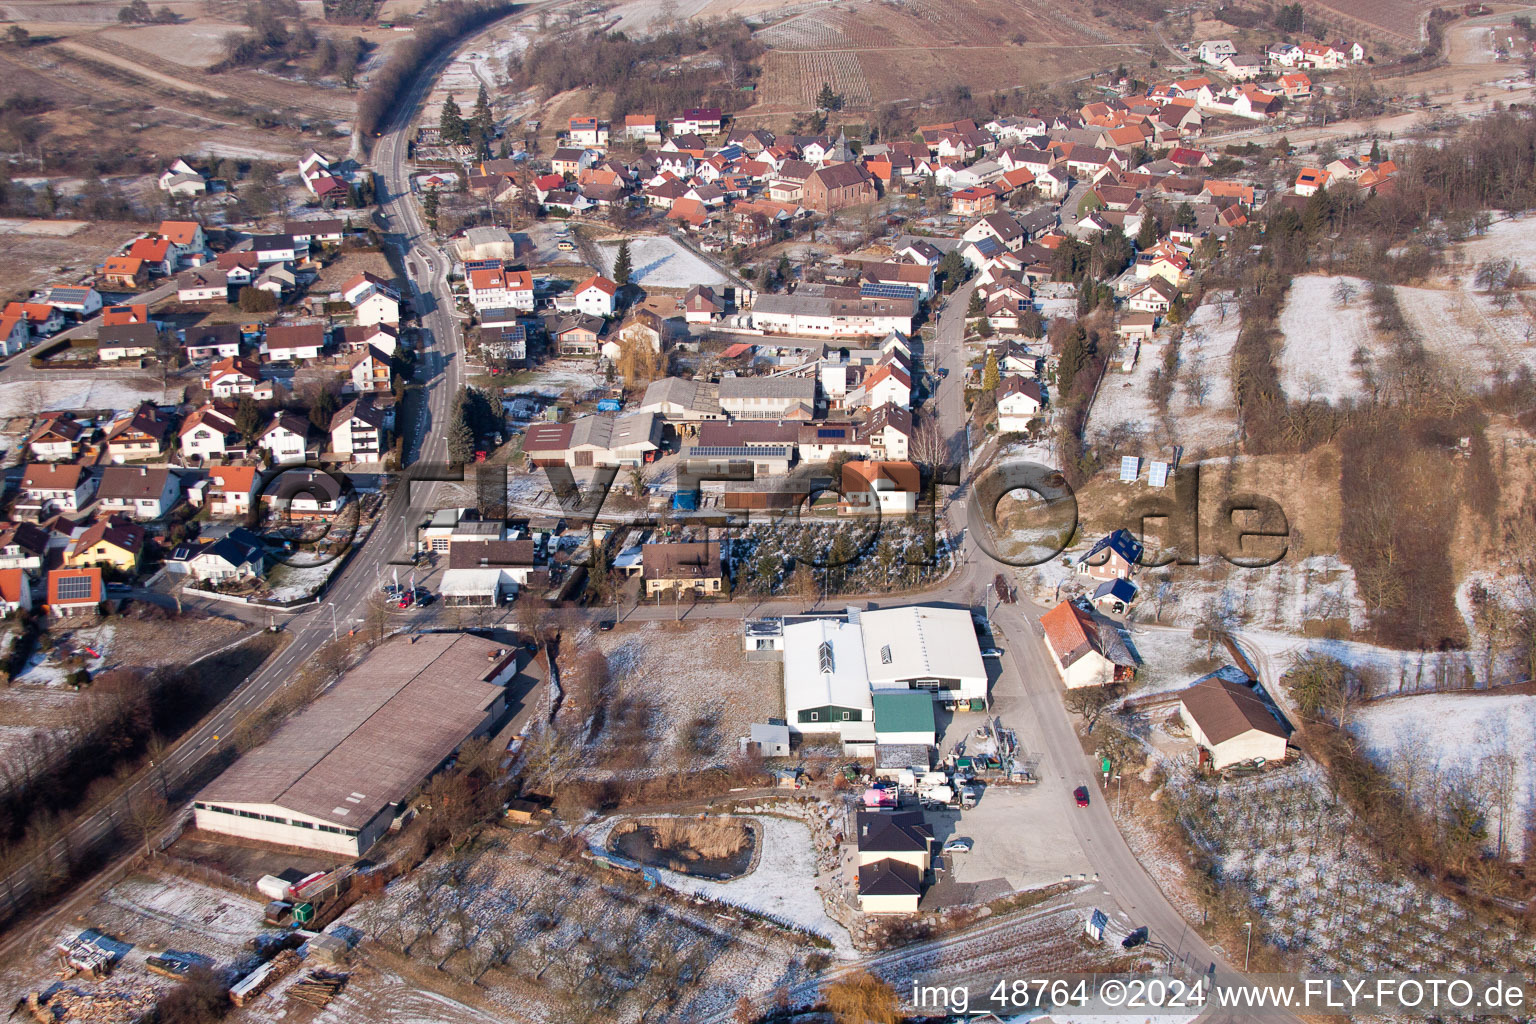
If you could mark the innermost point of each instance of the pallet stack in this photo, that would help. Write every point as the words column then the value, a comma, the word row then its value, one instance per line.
column 318, row 989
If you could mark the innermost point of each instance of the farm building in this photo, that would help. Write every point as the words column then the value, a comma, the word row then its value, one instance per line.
column 1229, row 719
column 335, row 775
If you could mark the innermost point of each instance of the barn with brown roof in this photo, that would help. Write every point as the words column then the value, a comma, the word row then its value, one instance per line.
column 1231, row 720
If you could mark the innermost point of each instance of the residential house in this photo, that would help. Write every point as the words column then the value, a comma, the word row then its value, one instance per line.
column 887, row 385
column 1311, row 180
column 82, row 301
column 143, row 434
column 500, row 288
column 768, row 398
column 641, row 127
column 1156, row 296
column 595, row 296
column 238, row 555
column 1085, row 646
column 124, row 273
column 15, row 331
column 890, row 488
column 698, row 121
column 51, row 488
column 1230, row 721
column 232, row 377
column 1214, row 51
column 577, row 334
column 182, row 181
column 895, row 851
column 359, row 431
column 833, row 312
column 295, row 343
column 1243, row 66
column 57, row 437
column 1019, row 400
column 700, row 306
column 278, row 249
column 73, row 592
column 202, row 284
column 911, row 275
column 588, row 131
column 155, row 253
column 113, row 541
column 306, row 494
column 126, row 341
column 384, row 337
column 373, row 300
column 1294, row 86
column 214, row 341
column 888, row 432
column 231, row 490
column 187, row 243
column 286, row 438
column 24, row 546
column 368, row 371
column 681, row 566
column 329, row 231
column 240, row 268
column 566, row 160
column 143, row 492
column 42, row 319
column 1114, row 556
column 210, row 431
column 975, row 201
column 16, row 592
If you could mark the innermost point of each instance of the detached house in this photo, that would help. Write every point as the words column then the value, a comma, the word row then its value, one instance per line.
column 186, row 242
column 49, row 488
column 595, row 296
column 231, row 490
column 15, row 592
column 142, row 435
column 1019, row 401
column 837, row 186
column 890, row 488
column 682, row 566
column 112, row 541
column 359, row 431
column 215, row 341
column 1085, row 646
column 240, row 554
column 1156, row 296
column 202, row 284
column 210, row 431
column 1114, row 556
column 81, row 301
column 499, row 288
column 74, row 592
column 15, row 332
column 56, row 438
column 126, row 341
column 139, row 491
column 296, row 343
column 373, row 301
column 233, row 377
column 286, row 438
column 368, row 371
column 1231, row 722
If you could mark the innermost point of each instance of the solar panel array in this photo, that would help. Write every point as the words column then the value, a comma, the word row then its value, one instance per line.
column 1157, row 474
column 1130, row 468
column 887, row 291
column 481, row 265
column 736, row 451
column 74, row 588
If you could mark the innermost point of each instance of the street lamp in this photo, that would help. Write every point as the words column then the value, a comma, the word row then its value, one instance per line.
column 1247, row 926
column 332, row 605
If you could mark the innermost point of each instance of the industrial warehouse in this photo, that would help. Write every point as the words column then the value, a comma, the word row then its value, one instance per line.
column 333, row 777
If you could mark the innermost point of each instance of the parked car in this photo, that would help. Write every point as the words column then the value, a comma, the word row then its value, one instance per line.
column 1081, row 795
column 565, row 246
column 424, row 596
column 1136, row 938
column 959, row 844
column 118, row 588
column 605, row 625
column 991, row 652
column 407, row 599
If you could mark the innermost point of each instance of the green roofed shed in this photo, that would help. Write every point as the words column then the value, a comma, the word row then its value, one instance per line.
column 904, row 718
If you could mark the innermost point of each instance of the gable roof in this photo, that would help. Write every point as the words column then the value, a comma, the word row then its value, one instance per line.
column 130, row 483
column 1075, row 632
column 1225, row 709
column 885, row 832
column 57, row 576
column 599, row 282
column 181, row 232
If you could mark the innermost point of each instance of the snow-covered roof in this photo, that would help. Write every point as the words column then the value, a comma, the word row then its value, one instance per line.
column 824, row 666
column 920, row 641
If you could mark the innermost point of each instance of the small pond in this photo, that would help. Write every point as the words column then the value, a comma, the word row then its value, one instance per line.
column 714, row 848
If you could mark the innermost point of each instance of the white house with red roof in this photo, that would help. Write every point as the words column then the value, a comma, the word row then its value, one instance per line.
column 500, row 288
column 373, row 300
column 595, row 295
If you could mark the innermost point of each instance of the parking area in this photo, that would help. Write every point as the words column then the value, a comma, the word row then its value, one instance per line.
column 1020, row 833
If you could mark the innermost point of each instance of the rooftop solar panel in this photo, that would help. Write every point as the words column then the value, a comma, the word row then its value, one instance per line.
column 74, row 588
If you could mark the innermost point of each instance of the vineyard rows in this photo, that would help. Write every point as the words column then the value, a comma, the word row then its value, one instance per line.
column 803, row 33
column 840, row 70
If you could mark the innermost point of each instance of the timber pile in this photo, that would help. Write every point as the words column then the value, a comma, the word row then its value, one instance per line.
column 66, row 1004
column 318, row 989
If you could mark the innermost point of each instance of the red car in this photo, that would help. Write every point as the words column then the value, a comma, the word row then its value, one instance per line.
column 1081, row 794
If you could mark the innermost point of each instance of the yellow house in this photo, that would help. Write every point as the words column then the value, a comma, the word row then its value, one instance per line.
column 682, row 566
column 113, row 542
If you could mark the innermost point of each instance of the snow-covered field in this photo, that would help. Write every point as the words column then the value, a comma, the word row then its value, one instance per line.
column 784, row 884
column 30, row 397
column 662, row 262
column 1452, row 736
column 554, row 379
column 1125, row 402
column 1322, row 336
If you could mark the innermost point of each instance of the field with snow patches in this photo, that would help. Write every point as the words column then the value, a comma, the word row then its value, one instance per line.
column 1124, row 404
column 555, row 378
column 785, row 884
column 531, row 930
column 1321, row 895
column 662, row 262
column 1451, row 736
column 30, row 397
column 1322, row 335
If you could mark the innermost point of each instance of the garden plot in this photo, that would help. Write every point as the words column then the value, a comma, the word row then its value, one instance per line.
column 1321, row 895
column 662, row 262
column 669, row 701
column 535, row 933
column 1450, row 736
column 1327, row 326
column 867, row 556
column 1201, row 411
column 557, row 379
column 785, row 884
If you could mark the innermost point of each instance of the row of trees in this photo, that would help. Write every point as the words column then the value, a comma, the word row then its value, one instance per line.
column 478, row 129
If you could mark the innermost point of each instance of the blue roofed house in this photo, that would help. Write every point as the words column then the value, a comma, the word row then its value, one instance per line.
column 1113, row 557
column 240, row 554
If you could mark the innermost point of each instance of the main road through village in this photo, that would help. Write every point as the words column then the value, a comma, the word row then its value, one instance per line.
column 1028, row 687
